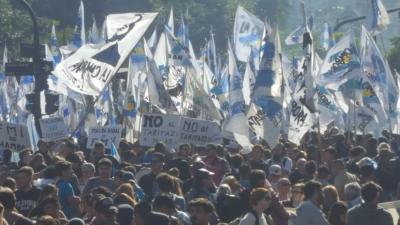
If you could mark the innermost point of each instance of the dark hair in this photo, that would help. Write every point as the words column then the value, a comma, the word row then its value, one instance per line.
column 104, row 162
column 310, row 188
column 165, row 182
column 323, row 171
column 47, row 220
column 256, row 176
column 163, row 200
column 27, row 170
column 331, row 150
column 9, row 182
column 7, row 154
column 143, row 208
column 99, row 144
column 62, row 166
column 337, row 209
column 156, row 218
column 369, row 191
column 24, row 152
column 159, row 146
column 236, row 160
column 203, row 203
column 244, row 170
column 7, row 198
column 310, row 167
column 357, row 150
column 159, row 156
column 102, row 190
column 257, row 195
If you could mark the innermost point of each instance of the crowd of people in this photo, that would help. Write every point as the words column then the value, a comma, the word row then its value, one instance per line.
column 336, row 179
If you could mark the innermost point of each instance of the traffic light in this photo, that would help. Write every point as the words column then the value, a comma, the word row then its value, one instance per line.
column 30, row 102
column 52, row 102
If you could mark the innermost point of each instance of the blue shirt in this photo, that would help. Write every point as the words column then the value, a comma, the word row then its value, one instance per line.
column 65, row 191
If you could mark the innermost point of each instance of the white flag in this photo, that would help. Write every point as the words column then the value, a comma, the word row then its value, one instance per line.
column 89, row 69
column 247, row 33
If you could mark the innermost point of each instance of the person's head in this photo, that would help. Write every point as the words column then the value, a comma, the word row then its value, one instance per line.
column 260, row 199
column 88, row 170
column 104, row 167
column 223, row 189
column 157, row 162
column 352, row 191
column 199, row 210
column 203, row 179
column 257, row 178
column 257, row 152
column 323, row 172
column 67, row 148
column 338, row 167
column 300, row 165
column 64, row 169
column 25, row 156
column 232, row 182
column 297, row 192
column 7, row 198
column 10, row 182
column 184, row 150
column 164, row 204
column 313, row 192
column 275, row 173
column 47, row 191
column 123, row 198
column 160, row 147
column 284, row 186
column 105, row 209
column 24, row 177
column 328, row 154
column 125, row 214
column 99, row 151
column 127, row 189
column 211, row 150
column 142, row 209
column 156, row 218
column 357, row 153
column 49, row 206
column 310, row 168
column 165, row 182
column 47, row 220
column 337, row 213
column 330, row 195
column 76, row 221
column 7, row 154
column 370, row 192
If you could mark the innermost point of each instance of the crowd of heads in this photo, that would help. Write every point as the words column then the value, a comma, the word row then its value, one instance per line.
column 66, row 183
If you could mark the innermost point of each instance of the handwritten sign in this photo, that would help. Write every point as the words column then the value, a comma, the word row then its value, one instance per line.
column 53, row 128
column 106, row 135
column 14, row 136
column 174, row 130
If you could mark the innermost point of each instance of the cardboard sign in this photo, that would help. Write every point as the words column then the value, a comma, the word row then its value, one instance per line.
column 107, row 135
column 53, row 128
column 174, row 130
column 14, row 136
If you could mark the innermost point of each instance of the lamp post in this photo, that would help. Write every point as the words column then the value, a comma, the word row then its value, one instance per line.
column 36, row 67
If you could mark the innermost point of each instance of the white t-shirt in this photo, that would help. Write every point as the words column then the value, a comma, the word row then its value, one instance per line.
column 250, row 219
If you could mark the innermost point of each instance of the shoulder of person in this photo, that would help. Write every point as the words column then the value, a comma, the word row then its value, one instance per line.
column 248, row 218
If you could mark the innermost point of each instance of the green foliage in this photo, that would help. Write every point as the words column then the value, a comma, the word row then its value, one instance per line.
column 394, row 55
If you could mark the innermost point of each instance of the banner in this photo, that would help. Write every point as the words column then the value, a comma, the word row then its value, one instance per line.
column 248, row 32
column 14, row 136
column 90, row 68
column 174, row 130
column 53, row 128
column 107, row 135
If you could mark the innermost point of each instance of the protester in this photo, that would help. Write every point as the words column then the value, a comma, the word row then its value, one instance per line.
column 259, row 200
column 369, row 212
column 27, row 195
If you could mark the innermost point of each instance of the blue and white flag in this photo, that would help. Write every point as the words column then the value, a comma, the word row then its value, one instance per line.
column 327, row 37
column 248, row 83
column 296, row 37
column 103, row 107
column 341, row 63
column 183, row 33
column 114, row 152
column 79, row 36
column 153, row 40
column 378, row 19
column 213, row 50
column 92, row 67
column 237, row 120
column 161, row 56
column 54, row 46
column 170, row 24
column 94, row 35
column 247, row 33
column 374, row 68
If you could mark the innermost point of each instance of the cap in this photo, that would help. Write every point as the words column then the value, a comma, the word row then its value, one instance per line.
column 275, row 170
column 366, row 161
column 106, row 205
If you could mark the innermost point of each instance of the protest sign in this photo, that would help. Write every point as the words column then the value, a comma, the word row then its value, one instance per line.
column 53, row 128
column 392, row 208
column 106, row 135
column 174, row 130
column 14, row 136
